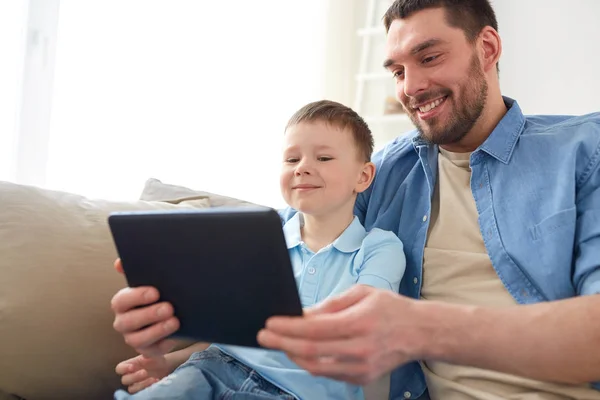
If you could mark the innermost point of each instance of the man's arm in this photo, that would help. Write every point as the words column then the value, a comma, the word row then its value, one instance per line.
column 556, row 341
column 367, row 332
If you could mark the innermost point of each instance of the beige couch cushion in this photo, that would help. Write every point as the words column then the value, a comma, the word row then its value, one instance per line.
column 155, row 190
column 56, row 282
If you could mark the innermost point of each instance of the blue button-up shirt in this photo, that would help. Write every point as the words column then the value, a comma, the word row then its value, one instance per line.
column 536, row 185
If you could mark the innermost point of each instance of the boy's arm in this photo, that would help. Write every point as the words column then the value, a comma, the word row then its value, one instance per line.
column 178, row 357
column 384, row 261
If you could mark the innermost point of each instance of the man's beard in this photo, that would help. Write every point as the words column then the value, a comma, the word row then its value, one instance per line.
column 465, row 115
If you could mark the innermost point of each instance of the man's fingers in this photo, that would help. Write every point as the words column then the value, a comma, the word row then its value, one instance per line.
column 139, row 318
column 322, row 327
column 351, row 349
column 136, row 387
column 339, row 302
column 349, row 322
column 119, row 266
column 129, row 298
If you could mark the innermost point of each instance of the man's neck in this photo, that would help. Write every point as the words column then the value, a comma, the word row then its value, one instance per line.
column 320, row 230
column 493, row 112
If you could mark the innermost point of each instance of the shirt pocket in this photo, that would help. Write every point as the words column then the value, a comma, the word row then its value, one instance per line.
column 556, row 224
column 553, row 240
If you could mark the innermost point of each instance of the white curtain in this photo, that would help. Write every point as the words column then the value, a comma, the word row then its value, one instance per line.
column 12, row 44
column 191, row 92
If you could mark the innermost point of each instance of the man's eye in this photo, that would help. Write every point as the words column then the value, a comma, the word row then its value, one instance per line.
column 324, row 158
column 429, row 59
column 398, row 74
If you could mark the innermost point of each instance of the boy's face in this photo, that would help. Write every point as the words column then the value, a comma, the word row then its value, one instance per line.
column 322, row 170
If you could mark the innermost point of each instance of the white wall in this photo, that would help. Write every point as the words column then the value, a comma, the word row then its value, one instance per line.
column 551, row 57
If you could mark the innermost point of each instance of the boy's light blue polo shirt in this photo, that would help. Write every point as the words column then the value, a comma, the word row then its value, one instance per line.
column 375, row 258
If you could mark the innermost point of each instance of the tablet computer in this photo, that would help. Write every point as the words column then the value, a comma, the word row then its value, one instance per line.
column 225, row 271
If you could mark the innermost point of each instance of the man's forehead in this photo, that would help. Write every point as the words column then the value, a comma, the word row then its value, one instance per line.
column 421, row 30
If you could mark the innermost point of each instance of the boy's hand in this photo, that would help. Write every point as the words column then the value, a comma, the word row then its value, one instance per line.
column 140, row 372
column 143, row 323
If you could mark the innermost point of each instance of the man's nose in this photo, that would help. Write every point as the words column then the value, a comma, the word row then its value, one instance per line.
column 414, row 82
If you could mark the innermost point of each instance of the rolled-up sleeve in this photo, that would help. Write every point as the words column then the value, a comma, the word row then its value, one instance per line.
column 587, row 238
column 586, row 275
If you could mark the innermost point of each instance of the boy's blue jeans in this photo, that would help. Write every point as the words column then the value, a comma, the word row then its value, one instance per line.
column 210, row 374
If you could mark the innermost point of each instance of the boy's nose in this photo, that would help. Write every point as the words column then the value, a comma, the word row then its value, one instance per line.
column 303, row 168
column 302, row 171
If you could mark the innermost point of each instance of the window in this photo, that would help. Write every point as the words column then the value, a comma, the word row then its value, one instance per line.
column 13, row 15
column 189, row 92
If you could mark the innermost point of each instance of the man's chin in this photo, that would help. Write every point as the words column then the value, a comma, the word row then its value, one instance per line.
column 427, row 135
column 434, row 137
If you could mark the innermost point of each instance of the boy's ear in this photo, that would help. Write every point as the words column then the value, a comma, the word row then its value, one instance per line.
column 366, row 177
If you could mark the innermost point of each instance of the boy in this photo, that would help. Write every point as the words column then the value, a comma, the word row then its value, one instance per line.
column 326, row 163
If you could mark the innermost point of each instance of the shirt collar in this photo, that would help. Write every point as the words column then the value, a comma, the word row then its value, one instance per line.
column 501, row 142
column 291, row 231
column 348, row 242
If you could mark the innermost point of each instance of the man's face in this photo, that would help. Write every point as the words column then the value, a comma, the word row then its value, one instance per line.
column 439, row 78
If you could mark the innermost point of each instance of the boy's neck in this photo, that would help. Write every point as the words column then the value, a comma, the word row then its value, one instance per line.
column 321, row 230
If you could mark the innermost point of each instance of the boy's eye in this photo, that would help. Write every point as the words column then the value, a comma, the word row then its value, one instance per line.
column 291, row 160
column 324, row 158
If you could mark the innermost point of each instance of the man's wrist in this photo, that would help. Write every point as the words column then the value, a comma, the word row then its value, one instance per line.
column 442, row 331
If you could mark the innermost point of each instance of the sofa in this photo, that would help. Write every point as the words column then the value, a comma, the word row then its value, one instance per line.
column 56, row 282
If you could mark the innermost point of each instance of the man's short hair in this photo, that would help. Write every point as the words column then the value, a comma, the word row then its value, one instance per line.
column 469, row 15
column 340, row 116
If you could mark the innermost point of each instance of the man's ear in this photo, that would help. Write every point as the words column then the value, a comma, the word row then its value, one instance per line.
column 491, row 45
column 366, row 177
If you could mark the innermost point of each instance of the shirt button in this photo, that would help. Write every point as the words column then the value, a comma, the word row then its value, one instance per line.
column 407, row 395
column 311, row 270
column 480, row 185
column 424, row 218
column 415, row 280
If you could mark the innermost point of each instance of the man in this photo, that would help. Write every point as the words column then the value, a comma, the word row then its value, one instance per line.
column 500, row 217
column 507, row 252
